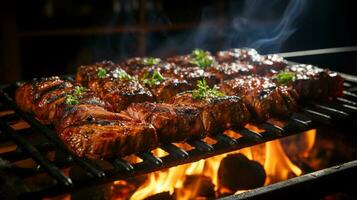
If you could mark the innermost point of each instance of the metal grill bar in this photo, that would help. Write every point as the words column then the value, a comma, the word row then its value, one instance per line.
column 36, row 155
column 52, row 136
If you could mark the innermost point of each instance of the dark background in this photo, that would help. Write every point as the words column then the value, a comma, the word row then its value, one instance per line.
column 52, row 37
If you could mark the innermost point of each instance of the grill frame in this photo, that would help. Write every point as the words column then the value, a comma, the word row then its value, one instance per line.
column 310, row 116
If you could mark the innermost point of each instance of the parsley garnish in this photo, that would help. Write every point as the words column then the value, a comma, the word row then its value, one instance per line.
column 155, row 78
column 150, row 61
column 201, row 58
column 284, row 77
column 79, row 90
column 73, row 98
column 122, row 75
column 102, row 73
column 204, row 91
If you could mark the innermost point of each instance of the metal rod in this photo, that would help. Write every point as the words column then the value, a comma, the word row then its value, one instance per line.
column 175, row 151
column 202, row 146
column 149, row 157
column 226, row 139
column 318, row 116
column 318, row 51
column 315, row 185
column 119, row 163
column 51, row 135
column 36, row 155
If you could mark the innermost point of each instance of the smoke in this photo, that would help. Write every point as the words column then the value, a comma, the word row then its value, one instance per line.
column 263, row 25
column 260, row 24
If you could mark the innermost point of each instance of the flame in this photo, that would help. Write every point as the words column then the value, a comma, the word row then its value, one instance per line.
column 277, row 164
column 310, row 137
column 270, row 155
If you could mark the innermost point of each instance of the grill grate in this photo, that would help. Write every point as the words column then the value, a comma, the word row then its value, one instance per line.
column 311, row 115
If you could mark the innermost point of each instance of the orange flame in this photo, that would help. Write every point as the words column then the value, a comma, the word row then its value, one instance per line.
column 271, row 155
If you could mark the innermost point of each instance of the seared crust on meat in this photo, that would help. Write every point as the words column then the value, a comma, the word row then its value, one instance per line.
column 262, row 96
column 106, row 139
column 311, row 82
column 118, row 92
column 217, row 114
column 264, row 65
column 172, row 123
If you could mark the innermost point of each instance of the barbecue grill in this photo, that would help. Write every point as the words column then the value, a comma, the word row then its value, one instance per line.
column 54, row 169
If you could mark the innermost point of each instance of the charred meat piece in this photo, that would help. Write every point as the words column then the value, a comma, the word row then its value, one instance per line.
column 45, row 98
column 311, row 82
column 100, row 138
column 172, row 123
column 192, row 75
column 262, row 96
column 264, row 65
column 140, row 66
column 218, row 113
column 226, row 71
column 246, row 55
column 198, row 58
column 27, row 94
column 113, row 84
column 165, row 90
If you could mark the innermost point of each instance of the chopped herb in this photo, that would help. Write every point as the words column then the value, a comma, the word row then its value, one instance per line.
column 102, row 73
column 201, row 58
column 204, row 91
column 122, row 75
column 72, row 100
column 79, row 90
column 150, row 61
column 155, row 78
column 284, row 77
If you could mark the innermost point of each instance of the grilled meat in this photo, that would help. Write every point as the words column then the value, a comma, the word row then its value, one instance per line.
column 198, row 58
column 168, row 88
column 113, row 85
column 109, row 138
column 262, row 96
column 218, row 113
column 172, row 123
column 140, row 66
column 225, row 70
column 312, row 82
column 27, row 94
column 173, row 79
column 46, row 98
column 264, row 65
column 191, row 75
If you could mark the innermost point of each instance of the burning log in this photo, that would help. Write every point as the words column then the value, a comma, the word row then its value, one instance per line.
column 237, row 172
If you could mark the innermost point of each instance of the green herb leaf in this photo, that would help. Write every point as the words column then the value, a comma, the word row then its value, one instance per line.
column 203, row 91
column 201, row 58
column 155, row 78
column 150, row 61
column 72, row 100
column 102, row 73
column 79, row 90
column 122, row 75
column 284, row 77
